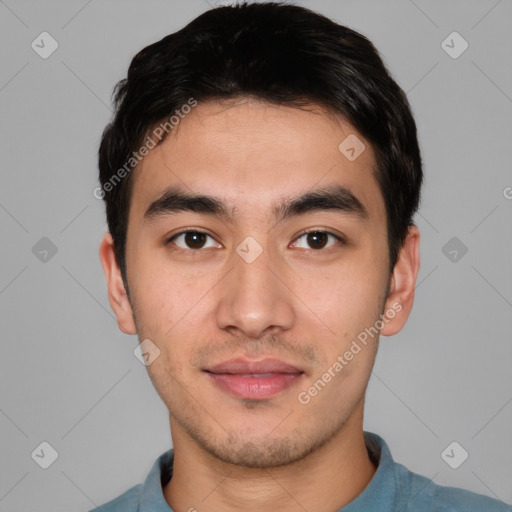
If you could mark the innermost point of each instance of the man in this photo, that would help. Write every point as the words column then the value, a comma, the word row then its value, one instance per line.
column 260, row 178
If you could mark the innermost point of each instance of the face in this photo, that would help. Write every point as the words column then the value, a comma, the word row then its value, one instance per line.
column 259, row 293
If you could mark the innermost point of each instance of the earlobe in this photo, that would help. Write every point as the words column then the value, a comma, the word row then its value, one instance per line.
column 402, row 285
column 117, row 295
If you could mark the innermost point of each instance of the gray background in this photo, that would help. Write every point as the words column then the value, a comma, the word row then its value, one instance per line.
column 69, row 377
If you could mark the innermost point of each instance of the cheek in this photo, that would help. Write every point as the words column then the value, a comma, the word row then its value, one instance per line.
column 163, row 294
column 170, row 305
column 346, row 297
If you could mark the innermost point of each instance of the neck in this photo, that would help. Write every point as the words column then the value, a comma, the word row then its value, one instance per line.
column 325, row 480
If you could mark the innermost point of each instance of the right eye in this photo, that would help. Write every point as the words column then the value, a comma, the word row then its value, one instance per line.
column 193, row 240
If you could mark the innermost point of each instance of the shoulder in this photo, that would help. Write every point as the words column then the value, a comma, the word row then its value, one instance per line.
column 145, row 496
column 427, row 495
column 127, row 502
column 412, row 492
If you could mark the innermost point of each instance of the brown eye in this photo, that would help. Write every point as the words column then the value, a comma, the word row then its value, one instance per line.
column 317, row 240
column 193, row 240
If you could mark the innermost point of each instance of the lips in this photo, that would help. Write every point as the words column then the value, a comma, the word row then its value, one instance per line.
column 255, row 380
column 245, row 366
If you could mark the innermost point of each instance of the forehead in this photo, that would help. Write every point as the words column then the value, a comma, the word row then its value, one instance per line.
column 253, row 153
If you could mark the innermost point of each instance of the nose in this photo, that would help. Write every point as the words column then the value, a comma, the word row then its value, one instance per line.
column 255, row 298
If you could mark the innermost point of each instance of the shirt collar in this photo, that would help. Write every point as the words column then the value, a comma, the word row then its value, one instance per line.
column 152, row 495
column 388, row 487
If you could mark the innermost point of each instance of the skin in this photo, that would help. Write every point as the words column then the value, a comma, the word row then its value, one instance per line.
column 295, row 302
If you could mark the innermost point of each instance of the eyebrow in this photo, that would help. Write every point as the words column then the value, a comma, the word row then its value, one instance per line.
column 332, row 198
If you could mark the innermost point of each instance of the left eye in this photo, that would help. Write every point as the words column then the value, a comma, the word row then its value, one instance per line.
column 193, row 240
column 317, row 240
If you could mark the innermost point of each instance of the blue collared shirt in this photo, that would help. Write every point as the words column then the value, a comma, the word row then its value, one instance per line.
column 393, row 488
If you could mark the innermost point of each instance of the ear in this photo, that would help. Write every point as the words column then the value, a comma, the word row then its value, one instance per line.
column 116, row 290
column 403, row 283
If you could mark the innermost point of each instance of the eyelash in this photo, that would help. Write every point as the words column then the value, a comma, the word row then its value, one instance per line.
column 338, row 238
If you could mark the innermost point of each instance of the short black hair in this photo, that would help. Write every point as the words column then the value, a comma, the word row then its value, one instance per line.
column 279, row 53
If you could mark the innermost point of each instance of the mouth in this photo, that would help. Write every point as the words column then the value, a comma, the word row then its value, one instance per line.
column 254, row 380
